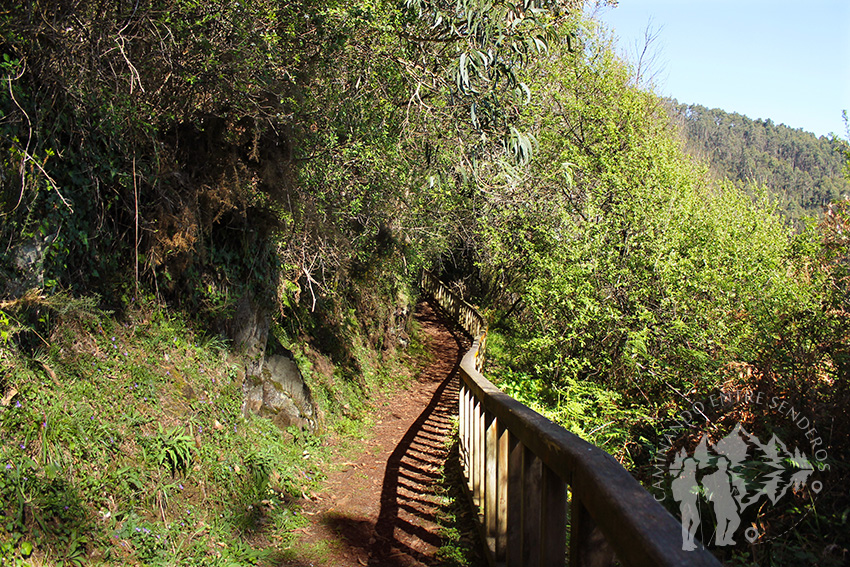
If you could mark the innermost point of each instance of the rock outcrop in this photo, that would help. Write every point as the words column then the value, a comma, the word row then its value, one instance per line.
column 278, row 392
column 273, row 386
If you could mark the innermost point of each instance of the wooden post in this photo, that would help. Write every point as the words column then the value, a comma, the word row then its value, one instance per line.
column 502, row 481
column 588, row 547
column 553, row 548
column 491, row 470
column 463, row 428
column 513, row 550
column 531, row 508
column 481, row 459
column 476, row 453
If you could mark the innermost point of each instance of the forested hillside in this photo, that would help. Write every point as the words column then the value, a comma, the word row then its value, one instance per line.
column 175, row 171
column 802, row 172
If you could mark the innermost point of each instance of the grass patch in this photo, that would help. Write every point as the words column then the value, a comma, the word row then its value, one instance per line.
column 461, row 545
column 123, row 442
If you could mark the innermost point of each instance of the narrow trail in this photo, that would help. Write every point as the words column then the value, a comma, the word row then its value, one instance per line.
column 383, row 510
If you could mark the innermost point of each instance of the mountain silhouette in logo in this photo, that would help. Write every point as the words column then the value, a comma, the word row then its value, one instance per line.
column 730, row 476
column 761, row 469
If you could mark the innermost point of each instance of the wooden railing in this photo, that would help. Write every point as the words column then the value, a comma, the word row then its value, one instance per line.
column 518, row 467
column 461, row 312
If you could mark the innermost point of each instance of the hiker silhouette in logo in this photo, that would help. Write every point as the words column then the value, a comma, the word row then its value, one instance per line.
column 686, row 491
column 718, row 489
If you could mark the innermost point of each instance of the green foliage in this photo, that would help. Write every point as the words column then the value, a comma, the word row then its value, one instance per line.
column 40, row 503
column 625, row 281
column 457, row 529
column 146, row 539
column 802, row 346
column 489, row 45
column 202, row 149
column 310, row 157
column 636, row 274
column 15, row 553
column 173, row 449
column 92, row 471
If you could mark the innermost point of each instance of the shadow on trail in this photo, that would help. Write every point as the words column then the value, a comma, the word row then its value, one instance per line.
column 405, row 533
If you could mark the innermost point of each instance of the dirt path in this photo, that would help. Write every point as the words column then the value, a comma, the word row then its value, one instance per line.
column 383, row 510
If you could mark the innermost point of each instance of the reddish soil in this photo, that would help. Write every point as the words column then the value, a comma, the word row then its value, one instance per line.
column 383, row 510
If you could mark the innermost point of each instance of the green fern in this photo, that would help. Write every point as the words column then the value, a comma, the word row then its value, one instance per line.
column 176, row 450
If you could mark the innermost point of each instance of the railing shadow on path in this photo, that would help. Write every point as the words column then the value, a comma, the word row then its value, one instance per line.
column 414, row 467
column 406, row 533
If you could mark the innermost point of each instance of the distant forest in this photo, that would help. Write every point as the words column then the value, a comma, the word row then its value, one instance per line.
column 802, row 172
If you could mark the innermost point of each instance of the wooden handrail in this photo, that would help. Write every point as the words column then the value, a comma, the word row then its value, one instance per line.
column 518, row 465
column 460, row 311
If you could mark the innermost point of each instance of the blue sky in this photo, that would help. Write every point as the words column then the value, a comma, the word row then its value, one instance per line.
column 780, row 59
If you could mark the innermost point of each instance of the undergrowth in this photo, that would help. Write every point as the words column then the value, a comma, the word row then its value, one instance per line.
column 122, row 441
column 801, row 528
column 461, row 545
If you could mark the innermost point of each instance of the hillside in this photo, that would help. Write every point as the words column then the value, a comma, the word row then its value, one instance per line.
column 129, row 443
column 247, row 191
column 802, row 172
